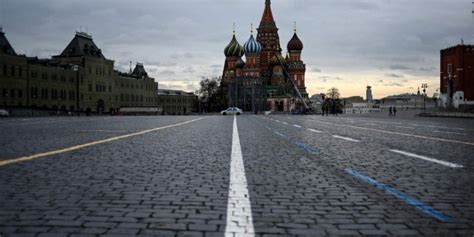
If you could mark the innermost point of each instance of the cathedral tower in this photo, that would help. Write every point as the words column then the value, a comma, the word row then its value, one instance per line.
column 296, row 67
column 269, row 39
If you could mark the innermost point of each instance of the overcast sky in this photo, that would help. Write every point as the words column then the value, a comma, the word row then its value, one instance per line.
column 392, row 45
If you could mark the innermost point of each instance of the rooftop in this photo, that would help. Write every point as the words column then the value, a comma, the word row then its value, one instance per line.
column 174, row 92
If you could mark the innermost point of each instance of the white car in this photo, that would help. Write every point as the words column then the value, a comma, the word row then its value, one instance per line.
column 4, row 113
column 231, row 111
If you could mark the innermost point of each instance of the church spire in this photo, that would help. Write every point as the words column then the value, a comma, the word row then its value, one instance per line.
column 267, row 18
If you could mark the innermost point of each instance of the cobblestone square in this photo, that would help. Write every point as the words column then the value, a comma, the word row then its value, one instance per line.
column 236, row 175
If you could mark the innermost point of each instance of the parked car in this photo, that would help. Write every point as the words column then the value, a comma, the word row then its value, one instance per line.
column 231, row 111
column 4, row 113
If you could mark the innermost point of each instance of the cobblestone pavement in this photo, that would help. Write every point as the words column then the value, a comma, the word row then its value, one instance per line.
column 293, row 175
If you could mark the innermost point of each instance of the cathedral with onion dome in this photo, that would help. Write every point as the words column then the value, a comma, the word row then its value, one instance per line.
column 266, row 80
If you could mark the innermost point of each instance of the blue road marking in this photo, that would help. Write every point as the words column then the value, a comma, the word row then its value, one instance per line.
column 307, row 148
column 412, row 201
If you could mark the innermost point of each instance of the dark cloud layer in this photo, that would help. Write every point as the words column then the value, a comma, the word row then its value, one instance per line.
column 185, row 38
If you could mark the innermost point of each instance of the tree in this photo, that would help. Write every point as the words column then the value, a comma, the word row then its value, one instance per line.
column 333, row 93
column 333, row 100
column 212, row 94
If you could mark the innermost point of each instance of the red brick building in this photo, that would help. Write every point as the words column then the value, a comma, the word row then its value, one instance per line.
column 457, row 63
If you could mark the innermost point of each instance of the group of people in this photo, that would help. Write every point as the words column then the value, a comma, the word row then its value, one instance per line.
column 328, row 108
column 393, row 111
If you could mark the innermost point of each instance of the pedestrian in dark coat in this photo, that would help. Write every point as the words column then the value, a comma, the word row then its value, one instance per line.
column 395, row 111
column 391, row 113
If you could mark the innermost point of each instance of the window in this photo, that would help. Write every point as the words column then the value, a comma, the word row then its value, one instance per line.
column 54, row 77
column 20, row 72
column 13, row 71
column 4, row 69
column 90, row 87
column 71, row 79
column 5, row 93
column 450, row 69
column 12, row 93
column 63, row 78
column 82, row 79
column 44, row 76
column 34, row 74
column 20, row 94
column 34, row 92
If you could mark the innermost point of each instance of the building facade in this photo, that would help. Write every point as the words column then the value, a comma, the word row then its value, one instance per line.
column 177, row 102
column 80, row 79
column 282, row 79
column 457, row 74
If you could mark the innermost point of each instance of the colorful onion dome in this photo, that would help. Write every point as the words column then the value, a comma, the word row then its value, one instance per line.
column 234, row 49
column 240, row 63
column 252, row 46
column 295, row 44
column 275, row 60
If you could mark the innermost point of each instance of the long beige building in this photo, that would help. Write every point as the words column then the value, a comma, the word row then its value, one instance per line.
column 81, row 79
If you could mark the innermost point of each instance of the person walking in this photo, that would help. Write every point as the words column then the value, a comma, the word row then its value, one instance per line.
column 394, row 111
column 391, row 111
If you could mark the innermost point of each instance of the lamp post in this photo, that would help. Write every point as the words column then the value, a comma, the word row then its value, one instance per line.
column 424, row 86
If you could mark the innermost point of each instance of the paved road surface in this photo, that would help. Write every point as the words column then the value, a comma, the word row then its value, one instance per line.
column 243, row 176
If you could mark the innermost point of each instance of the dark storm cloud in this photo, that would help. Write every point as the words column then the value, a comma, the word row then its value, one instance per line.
column 341, row 36
column 400, row 67
column 394, row 75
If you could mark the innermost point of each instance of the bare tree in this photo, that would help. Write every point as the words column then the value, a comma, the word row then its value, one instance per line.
column 333, row 94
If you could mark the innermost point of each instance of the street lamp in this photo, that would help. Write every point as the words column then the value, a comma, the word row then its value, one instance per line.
column 424, row 86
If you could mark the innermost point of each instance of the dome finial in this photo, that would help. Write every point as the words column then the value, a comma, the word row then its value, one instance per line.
column 233, row 28
column 251, row 28
column 295, row 26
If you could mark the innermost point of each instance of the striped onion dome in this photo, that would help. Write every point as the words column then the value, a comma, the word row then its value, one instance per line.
column 234, row 49
column 252, row 46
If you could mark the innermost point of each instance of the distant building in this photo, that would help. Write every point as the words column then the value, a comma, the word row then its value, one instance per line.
column 457, row 76
column 316, row 102
column 369, row 97
column 407, row 101
column 80, row 79
column 177, row 102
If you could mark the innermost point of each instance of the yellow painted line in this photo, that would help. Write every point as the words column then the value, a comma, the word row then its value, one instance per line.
column 397, row 133
column 77, row 147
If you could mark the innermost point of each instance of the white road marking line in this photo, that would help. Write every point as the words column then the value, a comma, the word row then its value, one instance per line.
column 445, row 163
column 405, row 127
column 284, row 123
column 433, row 126
column 102, row 130
column 397, row 133
column 296, row 125
column 278, row 121
column 239, row 210
column 314, row 130
column 372, row 124
column 77, row 147
column 458, row 133
column 345, row 138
